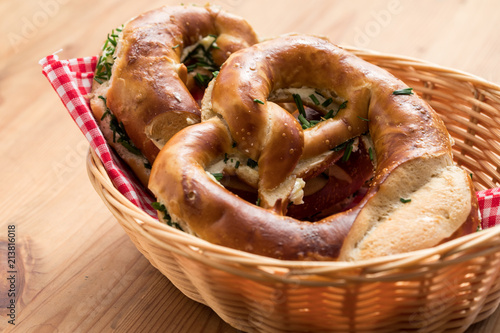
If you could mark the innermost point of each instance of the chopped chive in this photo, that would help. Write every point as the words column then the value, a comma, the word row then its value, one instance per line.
column 226, row 158
column 327, row 102
column 106, row 59
column 300, row 105
column 343, row 105
column 237, row 165
column 201, row 80
column 304, row 122
column 405, row 91
column 258, row 202
column 403, row 200
column 202, row 57
column 251, row 163
column 218, row 176
column 112, row 40
column 314, row 99
column 370, row 153
column 318, row 93
column 176, row 46
column 215, row 73
column 130, row 147
column 256, row 100
column 470, row 175
column 330, row 114
column 118, row 129
column 191, row 67
column 364, row 119
column 166, row 216
column 340, row 147
column 347, row 152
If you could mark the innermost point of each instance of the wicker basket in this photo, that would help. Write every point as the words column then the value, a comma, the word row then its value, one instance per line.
column 446, row 288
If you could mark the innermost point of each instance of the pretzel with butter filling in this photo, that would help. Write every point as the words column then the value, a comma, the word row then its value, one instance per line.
column 417, row 198
column 147, row 95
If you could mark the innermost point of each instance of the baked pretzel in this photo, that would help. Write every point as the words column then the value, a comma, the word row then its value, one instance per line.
column 417, row 197
column 150, row 70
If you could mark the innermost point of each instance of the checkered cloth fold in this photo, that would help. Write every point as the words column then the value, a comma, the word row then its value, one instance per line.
column 72, row 80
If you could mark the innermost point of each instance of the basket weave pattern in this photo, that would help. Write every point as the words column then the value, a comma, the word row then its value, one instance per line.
column 446, row 288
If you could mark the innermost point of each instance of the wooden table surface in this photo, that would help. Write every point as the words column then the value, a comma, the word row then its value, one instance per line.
column 77, row 271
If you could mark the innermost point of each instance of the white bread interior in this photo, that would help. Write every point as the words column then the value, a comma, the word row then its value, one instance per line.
column 389, row 223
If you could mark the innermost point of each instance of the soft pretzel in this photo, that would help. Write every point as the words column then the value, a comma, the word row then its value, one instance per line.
column 147, row 91
column 417, row 197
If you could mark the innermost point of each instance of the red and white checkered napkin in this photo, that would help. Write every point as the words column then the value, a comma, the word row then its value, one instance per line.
column 72, row 80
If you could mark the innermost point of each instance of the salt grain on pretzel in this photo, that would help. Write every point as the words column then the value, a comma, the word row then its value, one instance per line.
column 417, row 198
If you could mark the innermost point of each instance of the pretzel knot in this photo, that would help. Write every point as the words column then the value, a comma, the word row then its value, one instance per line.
column 357, row 125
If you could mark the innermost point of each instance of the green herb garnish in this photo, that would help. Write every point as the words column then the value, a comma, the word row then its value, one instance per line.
column 251, row 163
column 202, row 80
column 166, row 216
column 118, row 129
column 256, row 100
column 237, row 165
column 343, row 105
column 304, row 122
column 327, row 102
column 348, row 151
column 364, row 119
column 403, row 200
column 370, row 153
column 191, row 67
column 405, row 91
column 218, row 176
column 344, row 145
column 333, row 113
column 129, row 146
column 299, row 104
column 106, row 59
column 314, row 99
column 202, row 57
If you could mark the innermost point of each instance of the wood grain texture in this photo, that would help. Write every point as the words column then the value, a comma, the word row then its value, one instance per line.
column 77, row 269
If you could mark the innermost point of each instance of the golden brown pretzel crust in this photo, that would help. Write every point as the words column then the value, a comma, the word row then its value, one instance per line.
column 217, row 215
column 404, row 129
column 147, row 90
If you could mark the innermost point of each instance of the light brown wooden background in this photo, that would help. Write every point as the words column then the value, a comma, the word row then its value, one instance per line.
column 78, row 271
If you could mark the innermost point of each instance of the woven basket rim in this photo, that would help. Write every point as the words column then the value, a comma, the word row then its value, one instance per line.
column 219, row 255
column 146, row 222
column 472, row 78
